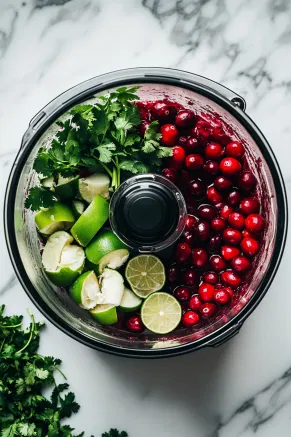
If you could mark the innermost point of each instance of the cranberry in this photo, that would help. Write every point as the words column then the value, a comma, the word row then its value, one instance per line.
column 207, row 310
column 182, row 294
column 235, row 149
column 231, row 236
column 229, row 252
column 214, row 151
column 230, row 278
column 182, row 141
column 211, row 167
column 189, row 277
column 229, row 290
column 199, row 258
column 184, row 180
column 247, row 181
column 213, row 195
column 170, row 173
column 162, row 111
column 195, row 303
column 249, row 205
column 233, row 198
column 190, row 318
column 230, row 166
column 214, row 243
column 222, row 183
column 202, row 131
column 207, row 212
column 177, row 159
column 255, row 223
column 143, row 127
column 249, row 246
column 236, row 220
column 241, row 264
column 173, row 274
column 203, row 230
column 169, row 135
column 191, row 222
column 188, row 237
column 210, row 278
column 194, row 162
column 218, row 224
column 222, row 297
column 185, row 119
column 206, row 292
column 190, row 145
column 217, row 263
column 183, row 252
column 246, row 233
column 197, row 188
column 225, row 211
column 134, row 324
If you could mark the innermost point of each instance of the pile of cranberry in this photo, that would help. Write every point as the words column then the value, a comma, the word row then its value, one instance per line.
column 223, row 229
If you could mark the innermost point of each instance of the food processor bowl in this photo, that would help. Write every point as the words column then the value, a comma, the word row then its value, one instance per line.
column 203, row 96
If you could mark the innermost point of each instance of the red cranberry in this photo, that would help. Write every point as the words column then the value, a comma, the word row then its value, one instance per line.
column 214, row 243
column 247, row 181
column 207, row 212
column 143, row 127
column 233, row 198
column 173, row 274
column 213, row 195
column 177, row 159
column 241, row 264
column 229, row 252
column 203, row 230
column 162, row 111
column 249, row 205
column 207, row 310
column 214, row 151
column 222, row 183
column 222, row 296
column 182, row 294
column 199, row 258
column 190, row 145
column 235, row 149
column 225, row 211
column 183, row 252
column 210, row 278
column 188, row 237
column 246, row 233
column 211, row 168
column 206, row 292
column 249, row 246
column 230, row 166
column 189, row 277
column 236, row 220
column 229, row 290
column 182, row 141
column 184, row 180
column 217, row 263
column 169, row 135
column 185, row 119
column 231, row 236
column 194, row 162
column 229, row 277
column 190, row 318
column 218, row 224
column 170, row 173
column 134, row 324
column 255, row 223
column 195, row 303
column 197, row 188
column 191, row 222
column 202, row 131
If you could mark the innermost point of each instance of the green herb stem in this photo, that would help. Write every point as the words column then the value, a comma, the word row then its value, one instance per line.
column 30, row 335
column 106, row 168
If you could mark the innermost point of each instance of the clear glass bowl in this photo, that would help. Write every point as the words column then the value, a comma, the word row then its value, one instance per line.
column 201, row 95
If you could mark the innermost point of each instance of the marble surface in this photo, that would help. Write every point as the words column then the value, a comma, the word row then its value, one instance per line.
column 46, row 46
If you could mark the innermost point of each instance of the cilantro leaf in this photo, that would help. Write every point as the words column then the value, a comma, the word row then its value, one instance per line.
column 134, row 166
column 115, row 433
column 39, row 197
column 105, row 151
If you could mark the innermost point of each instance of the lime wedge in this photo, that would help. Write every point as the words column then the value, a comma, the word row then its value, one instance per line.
column 106, row 250
column 90, row 187
column 145, row 274
column 161, row 313
column 57, row 217
column 67, row 188
column 48, row 182
column 112, row 287
column 130, row 301
column 92, row 219
column 104, row 314
column 78, row 208
column 86, row 291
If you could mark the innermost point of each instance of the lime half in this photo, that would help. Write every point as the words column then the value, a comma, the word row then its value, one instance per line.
column 130, row 301
column 104, row 314
column 145, row 274
column 161, row 313
column 86, row 291
column 57, row 217
column 90, row 187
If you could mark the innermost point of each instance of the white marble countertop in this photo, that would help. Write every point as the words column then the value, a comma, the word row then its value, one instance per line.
column 46, row 46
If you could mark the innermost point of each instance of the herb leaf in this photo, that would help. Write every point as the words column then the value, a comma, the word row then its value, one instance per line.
column 39, row 197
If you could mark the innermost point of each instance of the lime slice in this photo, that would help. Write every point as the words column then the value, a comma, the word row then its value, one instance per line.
column 106, row 250
column 92, row 219
column 78, row 208
column 145, row 274
column 104, row 314
column 62, row 262
column 161, row 313
column 112, row 287
column 48, row 182
column 57, row 217
column 90, row 187
column 67, row 188
column 86, row 291
column 130, row 301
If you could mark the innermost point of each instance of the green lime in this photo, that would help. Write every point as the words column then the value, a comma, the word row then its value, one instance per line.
column 145, row 274
column 92, row 219
column 161, row 313
column 90, row 187
column 67, row 188
column 48, row 183
column 62, row 262
column 78, row 207
column 86, row 291
column 57, row 217
column 104, row 314
column 130, row 301
column 106, row 250
column 112, row 287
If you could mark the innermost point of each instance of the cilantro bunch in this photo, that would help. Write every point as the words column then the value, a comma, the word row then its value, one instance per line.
column 100, row 137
